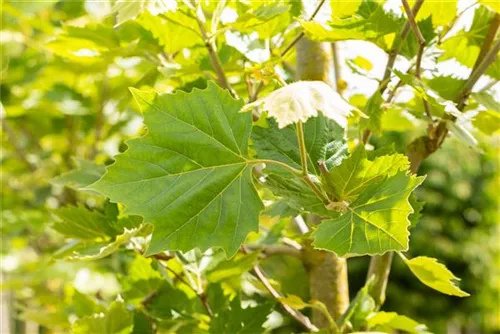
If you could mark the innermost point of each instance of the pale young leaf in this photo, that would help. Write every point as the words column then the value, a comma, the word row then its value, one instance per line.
column 435, row 275
column 302, row 100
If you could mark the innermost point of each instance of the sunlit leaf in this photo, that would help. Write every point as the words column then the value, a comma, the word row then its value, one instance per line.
column 390, row 321
column 435, row 275
column 185, row 174
column 487, row 121
column 376, row 222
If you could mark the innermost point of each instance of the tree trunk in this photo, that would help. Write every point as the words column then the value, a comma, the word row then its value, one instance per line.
column 327, row 273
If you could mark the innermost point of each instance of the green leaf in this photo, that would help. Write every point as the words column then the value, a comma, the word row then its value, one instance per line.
column 465, row 45
column 238, row 320
column 347, row 181
column 363, row 63
column 493, row 5
column 447, row 87
column 86, row 173
column 116, row 320
column 417, row 206
column 294, row 302
column 394, row 119
column 376, row 222
column 189, row 176
column 487, row 100
column 442, row 13
column 79, row 222
column 167, row 301
column 434, row 275
column 85, row 305
column 323, row 137
column 488, row 121
column 266, row 20
column 391, row 321
column 99, row 250
column 143, row 98
column 129, row 10
column 369, row 23
column 172, row 36
column 233, row 268
column 373, row 109
column 324, row 142
column 344, row 8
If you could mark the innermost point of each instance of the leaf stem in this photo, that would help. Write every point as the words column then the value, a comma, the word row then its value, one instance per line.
column 420, row 149
column 302, row 147
column 292, row 170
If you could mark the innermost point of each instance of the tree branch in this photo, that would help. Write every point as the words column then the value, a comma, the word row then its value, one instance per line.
column 424, row 146
column 489, row 58
column 393, row 53
column 302, row 319
column 201, row 295
column 396, row 47
column 288, row 48
column 421, row 43
column 214, row 57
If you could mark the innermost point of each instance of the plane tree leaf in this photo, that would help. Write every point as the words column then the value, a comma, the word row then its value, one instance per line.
column 98, row 250
column 324, row 141
column 189, row 176
column 236, row 319
column 356, row 173
column 435, row 275
column 116, row 320
column 391, row 321
column 323, row 137
column 375, row 222
column 79, row 222
column 466, row 44
column 86, row 173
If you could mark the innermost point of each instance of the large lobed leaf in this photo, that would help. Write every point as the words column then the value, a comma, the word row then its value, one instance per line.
column 376, row 193
column 189, row 175
column 376, row 222
column 356, row 173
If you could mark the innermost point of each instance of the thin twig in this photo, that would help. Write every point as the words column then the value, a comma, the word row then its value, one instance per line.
column 288, row 48
column 302, row 319
column 396, row 47
column 418, row 34
column 421, row 47
column 201, row 295
column 214, row 57
column 419, row 150
column 393, row 53
column 302, row 34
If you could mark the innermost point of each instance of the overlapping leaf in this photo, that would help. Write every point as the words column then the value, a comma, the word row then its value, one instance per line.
column 116, row 320
column 376, row 222
column 324, row 141
column 356, row 173
column 189, row 175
